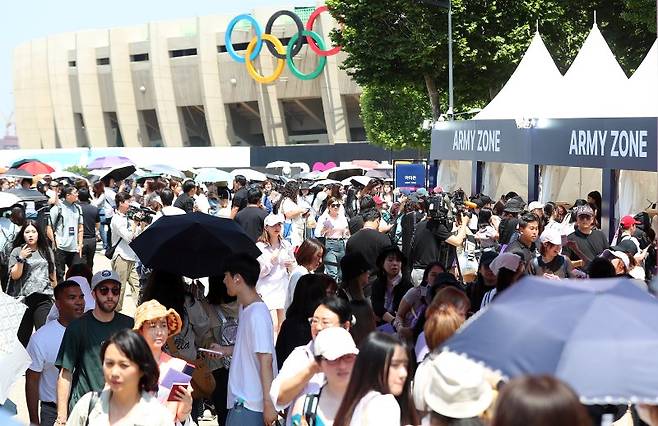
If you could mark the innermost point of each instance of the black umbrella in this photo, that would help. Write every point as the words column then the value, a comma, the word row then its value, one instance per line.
column 17, row 173
column 118, row 172
column 28, row 194
column 193, row 244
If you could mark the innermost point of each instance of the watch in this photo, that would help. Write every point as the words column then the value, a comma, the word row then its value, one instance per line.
column 19, row 259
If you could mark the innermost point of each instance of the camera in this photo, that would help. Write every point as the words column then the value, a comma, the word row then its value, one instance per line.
column 140, row 214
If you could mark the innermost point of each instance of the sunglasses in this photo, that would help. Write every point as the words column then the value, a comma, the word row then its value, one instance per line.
column 335, row 205
column 105, row 290
column 349, row 358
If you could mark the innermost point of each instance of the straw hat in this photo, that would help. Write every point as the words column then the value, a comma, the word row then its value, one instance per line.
column 152, row 310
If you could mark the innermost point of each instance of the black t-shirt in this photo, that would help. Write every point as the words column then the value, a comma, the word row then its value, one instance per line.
column 251, row 220
column 506, row 229
column 90, row 217
column 185, row 202
column 355, row 224
column 429, row 245
column 369, row 243
column 517, row 246
column 240, row 199
column 591, row 245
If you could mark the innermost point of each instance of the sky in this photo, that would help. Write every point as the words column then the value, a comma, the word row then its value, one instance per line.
column 24, row 20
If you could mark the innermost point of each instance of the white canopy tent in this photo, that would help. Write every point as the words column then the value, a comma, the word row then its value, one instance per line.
column 595, row 86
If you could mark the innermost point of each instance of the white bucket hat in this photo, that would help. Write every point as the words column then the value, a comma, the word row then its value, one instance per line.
column 456, row 387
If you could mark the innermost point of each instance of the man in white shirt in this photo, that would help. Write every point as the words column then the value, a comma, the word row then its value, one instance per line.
column 167, row 199
column 124, row 231
column 41, row 375
column 253, row 365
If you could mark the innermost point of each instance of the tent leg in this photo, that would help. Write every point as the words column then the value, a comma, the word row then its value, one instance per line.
column 477, row 168
column 533, row 182
column 610, row 189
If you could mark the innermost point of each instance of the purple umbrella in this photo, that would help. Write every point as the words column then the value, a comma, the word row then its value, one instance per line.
column 109, row 162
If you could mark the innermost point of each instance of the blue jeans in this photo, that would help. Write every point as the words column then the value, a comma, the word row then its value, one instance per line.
column 241, row 416
column 335, row 250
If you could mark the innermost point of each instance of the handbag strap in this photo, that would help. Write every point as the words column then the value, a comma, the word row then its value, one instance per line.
column 92, row 403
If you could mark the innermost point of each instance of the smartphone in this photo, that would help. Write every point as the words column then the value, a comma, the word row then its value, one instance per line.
column 174, row 390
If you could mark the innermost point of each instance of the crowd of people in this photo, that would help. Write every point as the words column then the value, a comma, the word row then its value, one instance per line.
column 340, row 320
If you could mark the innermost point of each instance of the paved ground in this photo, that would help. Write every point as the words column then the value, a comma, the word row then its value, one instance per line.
column 17, row 394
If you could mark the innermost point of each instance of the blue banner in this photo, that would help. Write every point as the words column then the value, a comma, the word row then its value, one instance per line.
column 411, row 176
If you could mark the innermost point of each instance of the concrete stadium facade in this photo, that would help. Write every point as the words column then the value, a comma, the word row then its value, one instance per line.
column 172, row 84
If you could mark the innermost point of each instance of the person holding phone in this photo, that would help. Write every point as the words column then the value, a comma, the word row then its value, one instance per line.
column 332, row 226
column 32, row 277
column 156, row 324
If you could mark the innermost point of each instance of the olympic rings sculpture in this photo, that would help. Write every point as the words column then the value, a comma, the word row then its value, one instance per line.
column 277, row 49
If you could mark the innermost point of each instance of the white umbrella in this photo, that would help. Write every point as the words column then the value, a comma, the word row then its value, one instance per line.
column 210, row 175
column 7, row 200
column 63, row 174
column 324, row 182
column 251, row 175
column 278, row 164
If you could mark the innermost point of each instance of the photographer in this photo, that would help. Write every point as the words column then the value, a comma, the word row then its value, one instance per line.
column 124, row 231
column 433, row 239
column 67, row 226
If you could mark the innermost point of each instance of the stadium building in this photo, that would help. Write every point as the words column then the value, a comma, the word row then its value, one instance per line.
column 174, row 84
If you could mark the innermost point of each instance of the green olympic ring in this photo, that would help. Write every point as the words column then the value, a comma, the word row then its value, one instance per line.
column 321, row 63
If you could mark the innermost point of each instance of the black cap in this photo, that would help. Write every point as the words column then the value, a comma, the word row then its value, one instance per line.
column 487, row 257
column 627, row 246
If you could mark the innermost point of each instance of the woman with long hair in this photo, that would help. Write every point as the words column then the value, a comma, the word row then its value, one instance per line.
column 171, row 291
column 379, row 392
column 333, row 227
column 276, row 263
column 390, row 286
column 131, row 376
column 300, row 371
column 309, row 258
column 444, row 316
column 539, row 401
column 32, row 277
column 296, row 329
column 295, row 216
column 156, row 324
column 416, row 300
column 223, row 319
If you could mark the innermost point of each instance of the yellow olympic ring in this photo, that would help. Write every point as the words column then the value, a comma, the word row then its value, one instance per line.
column 280, row 63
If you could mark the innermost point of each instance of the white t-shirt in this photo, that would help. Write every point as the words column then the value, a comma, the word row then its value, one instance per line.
column 333, row 227
column 255, row 336
column 376, row 409
column 295, row 275
column 298, row 359
column 43, row 348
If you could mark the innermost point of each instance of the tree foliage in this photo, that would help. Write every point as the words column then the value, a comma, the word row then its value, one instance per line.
column 404, row 42
column 392, row 114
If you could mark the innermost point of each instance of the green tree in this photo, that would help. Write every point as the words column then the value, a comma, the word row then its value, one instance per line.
column 404, row 42
column 78, row 170
column 392, row 115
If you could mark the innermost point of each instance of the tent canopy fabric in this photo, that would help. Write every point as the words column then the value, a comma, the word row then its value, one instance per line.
column 531, row 83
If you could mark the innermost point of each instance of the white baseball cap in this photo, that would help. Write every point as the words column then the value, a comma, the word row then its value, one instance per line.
column 535, row 205
column 456, row 387
column 508, row 261
column 552, row 236
column 273, row 219
column 333, row 343
column 105, row 275
column 611, row 254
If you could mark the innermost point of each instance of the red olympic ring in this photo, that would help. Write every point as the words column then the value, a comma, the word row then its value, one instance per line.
column 312, row 44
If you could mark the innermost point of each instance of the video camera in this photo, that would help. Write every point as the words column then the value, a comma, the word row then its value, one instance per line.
column 447, row 207
column 140, row 214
